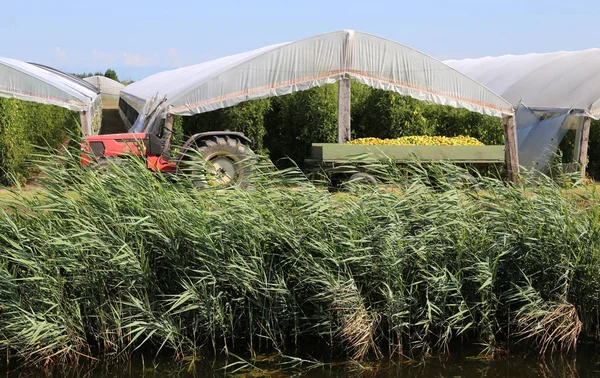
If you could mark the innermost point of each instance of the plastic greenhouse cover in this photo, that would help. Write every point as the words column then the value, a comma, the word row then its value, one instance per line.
column 289, row 67
column 30, row 82
column 106, row 85
column 560, row 80
column 525, row 119
column 539, row 137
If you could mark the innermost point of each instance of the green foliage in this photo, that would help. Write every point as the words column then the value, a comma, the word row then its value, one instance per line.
column 178, row 135
column 300, row 119
column 87, row 74
column 287, row 126
column 449, row 121
column 103, row 262
column 594, row 150
column 24, row 125
column 111, row 74
column 248, row 117
column 567, row 148
column 385, row 114
column 14, row 141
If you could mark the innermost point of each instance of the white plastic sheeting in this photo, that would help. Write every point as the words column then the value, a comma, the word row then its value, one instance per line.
column 30, row 82
column 550, row 91
column 539, row 137
column 560, row 80
column 109, row 88
column 289, row 67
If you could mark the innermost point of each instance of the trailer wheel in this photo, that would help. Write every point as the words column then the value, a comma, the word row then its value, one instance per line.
column 228, row 161
column 364, row 179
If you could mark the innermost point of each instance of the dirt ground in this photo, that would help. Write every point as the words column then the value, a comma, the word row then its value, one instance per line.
column 111, row 121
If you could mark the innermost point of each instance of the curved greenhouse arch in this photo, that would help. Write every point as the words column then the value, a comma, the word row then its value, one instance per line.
column 312, row 62
column 45, row 85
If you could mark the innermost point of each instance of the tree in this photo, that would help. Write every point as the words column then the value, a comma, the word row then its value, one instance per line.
column 87, row 74
column 111, row 74
column 300, row 119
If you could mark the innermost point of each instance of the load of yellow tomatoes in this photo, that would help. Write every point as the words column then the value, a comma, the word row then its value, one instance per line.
column 419, row 141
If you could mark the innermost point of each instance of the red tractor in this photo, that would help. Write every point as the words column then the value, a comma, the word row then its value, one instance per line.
column 150, row 137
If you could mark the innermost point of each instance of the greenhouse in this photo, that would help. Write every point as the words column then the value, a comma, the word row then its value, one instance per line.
column 284, row 68
column 324, row 59
column 109, row 88
column 553, row 93
column 41, row 84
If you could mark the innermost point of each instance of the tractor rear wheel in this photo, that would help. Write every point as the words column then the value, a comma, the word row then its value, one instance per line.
column 228, row 161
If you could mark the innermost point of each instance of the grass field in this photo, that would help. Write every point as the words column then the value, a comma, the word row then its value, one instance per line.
column 103, row 263
column 27, row 191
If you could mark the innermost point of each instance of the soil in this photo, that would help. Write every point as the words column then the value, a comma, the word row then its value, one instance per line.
column 111, row 121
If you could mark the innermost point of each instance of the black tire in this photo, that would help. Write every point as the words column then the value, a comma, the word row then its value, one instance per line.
column 229, row 161
column 336, row 182
column 361, row 178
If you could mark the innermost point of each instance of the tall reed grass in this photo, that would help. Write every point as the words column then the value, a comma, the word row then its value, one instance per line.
column 101, row 263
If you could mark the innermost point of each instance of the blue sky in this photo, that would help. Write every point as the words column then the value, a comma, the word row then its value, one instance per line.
column 138, row 38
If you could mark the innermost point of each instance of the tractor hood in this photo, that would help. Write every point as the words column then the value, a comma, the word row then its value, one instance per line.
column 115, row 145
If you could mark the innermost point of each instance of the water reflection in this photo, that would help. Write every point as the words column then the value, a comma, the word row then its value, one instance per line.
column 584, row 363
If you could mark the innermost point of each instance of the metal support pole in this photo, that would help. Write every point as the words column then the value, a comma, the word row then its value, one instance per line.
column 511, row 148
column 167, row 136
column 86, row 127
column 344, row 111
column 583, row 145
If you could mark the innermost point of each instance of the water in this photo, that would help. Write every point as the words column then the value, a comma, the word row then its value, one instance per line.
column 584, row 363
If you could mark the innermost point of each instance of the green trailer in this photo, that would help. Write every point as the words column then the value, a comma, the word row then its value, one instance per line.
column 350, row 161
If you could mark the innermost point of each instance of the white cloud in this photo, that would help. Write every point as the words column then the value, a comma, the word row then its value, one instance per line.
column 104, row 58
column 139, row 60
column 171, row 57
column 61, row 55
